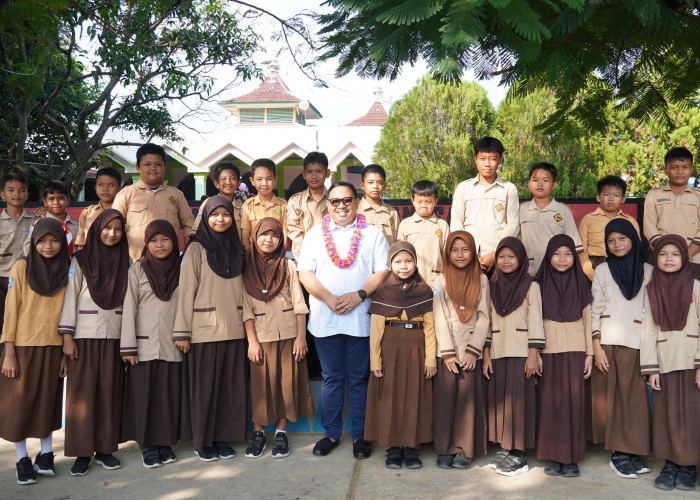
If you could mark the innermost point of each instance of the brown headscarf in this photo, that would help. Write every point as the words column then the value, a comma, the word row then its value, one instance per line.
column 509, row 290
column 670, row 294
column 564, row 295
column 224, row 250
column 163, row 274
column 394, row 295
column 264, row 274
column 106, row 269
column 48, row 276
column 463, row 285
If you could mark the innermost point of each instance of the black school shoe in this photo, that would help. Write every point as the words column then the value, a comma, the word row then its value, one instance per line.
column 361, row 448
column 640, row 466
column 25, row 472
column 445, row 461
column 513, row 465
column 43, row 464
column 150, row 457
column 410, row 458
column 393, row 457
column 569, row 470
column 666, row 480
column 166, row 455
column 280, row 448
column 621, row 464
column 500, row 457
column 208, row 454
column 107, row 461
column 80, row 466
column 256, row 446
column 461, row 461
column 686, row 478
column 224, row 450
column 552, row 468
column 324, row 446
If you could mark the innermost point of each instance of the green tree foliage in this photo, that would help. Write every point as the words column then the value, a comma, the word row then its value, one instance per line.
column 122, row 66
column 430, row 134
column 640, row 55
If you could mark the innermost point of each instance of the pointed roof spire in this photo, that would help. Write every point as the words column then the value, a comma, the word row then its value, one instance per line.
column 376, row 116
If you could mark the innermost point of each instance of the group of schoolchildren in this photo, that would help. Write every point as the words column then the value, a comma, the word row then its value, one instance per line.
column 470, row 323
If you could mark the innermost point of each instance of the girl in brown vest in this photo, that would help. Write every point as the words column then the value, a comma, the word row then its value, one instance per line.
column 402, row 360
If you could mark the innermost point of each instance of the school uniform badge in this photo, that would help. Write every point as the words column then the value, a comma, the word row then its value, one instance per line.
column 436, row 290
column 558, row 217
column 71, row 272
column 438, row 233
column 277, row 211
column 172, row 200
column 499, row 207
column 692, row 298
column 10, row 283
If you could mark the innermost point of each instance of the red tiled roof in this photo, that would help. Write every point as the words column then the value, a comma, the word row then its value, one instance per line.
column 272, row 89
column 375, row 117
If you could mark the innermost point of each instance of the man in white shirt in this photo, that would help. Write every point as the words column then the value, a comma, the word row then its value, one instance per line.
column 342, row 261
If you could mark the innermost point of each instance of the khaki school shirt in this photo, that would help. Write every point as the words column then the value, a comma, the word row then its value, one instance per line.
column 254, row 210
column 71, row 224
column 87, row 217
column 513, row 335
column 80, row 316
column 303, row 213
column 489, row 213
column 13, row 234
column 592, row 230
column 147, row 324
column 384, row 217
column 237, row 206
column 664, row 352
column 538, row 225
column 277, row 320
column 614, row 319
column 428, row 236
column 376, row 333
column 454, row 338
column 574, row 336
column 30, row 319
column 140, row 205
column 209, row 307
column 666, row 212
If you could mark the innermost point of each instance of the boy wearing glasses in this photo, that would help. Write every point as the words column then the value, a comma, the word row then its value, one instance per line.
column 425, row 231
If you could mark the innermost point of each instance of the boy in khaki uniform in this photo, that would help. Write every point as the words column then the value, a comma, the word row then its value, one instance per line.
column 378, row 213
column 306, row 209
column 425, row 231
column 263, row 175
column 108, row 182
column 150, row 199
column 543, row 217
column 611, row 195
column 675, row 208
column 226, row 178
column 56, row 197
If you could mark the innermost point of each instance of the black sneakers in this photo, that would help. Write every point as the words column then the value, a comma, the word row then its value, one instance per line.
column 686, row 478
column 257, row 445
column 166, row 455
column 640, row 466
column 666, row 480
column 80, row 466
column 43, row 464
column 552, row 468
column 461, row 461
column 25, row 471
column 514, row 464
column 393, row 457
column 150, row 457
column 280, row 447
column 224, row 450
column 208, row 454
column 500, row 457
column 444, row 461
column 569, row 470
column 410, row 458
column 621, row 464
column 107, row 461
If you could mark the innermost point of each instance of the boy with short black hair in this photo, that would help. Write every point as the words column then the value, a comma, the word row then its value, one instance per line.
column 377, row 212
column 611, row 195
column 151, row 198
column 56, row 197
column 306, row 209
column 108, row 182
column 486, row 206
column 425, row 231
column 263, row 175
column 543, row 216
column 675, row 208
column 226, row 177
column 15, row 222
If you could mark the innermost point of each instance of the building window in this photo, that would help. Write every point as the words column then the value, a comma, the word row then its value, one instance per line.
column 252, row 115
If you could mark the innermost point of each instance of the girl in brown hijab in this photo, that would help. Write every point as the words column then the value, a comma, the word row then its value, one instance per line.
column 274, row 314
column 91, row 327
column 152, row 385
column 670, row 356
column 31, row 387
column 461, row 311
column 567, row 358
column 512, row 357
column 402, row 360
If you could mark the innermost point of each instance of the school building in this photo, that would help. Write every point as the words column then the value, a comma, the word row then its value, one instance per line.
column 269, row 122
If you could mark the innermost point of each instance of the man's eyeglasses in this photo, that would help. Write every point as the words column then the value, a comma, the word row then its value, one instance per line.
column 337, row 201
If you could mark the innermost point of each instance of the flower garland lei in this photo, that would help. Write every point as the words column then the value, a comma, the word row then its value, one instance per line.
column 354, row 242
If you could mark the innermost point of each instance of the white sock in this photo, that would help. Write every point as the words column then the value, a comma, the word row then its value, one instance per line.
column 280, row 431
column 21, row 449
column 46, row 444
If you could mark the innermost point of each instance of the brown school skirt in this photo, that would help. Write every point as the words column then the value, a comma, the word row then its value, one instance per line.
column 621, row 413
column 30, row 404
column 400, row 404
column 511, row 405
column 676, row 420
column 279, row 387
column 562, row 435
column 460, row 412
column 94, row 398
column 151, row 413
column 214, row 401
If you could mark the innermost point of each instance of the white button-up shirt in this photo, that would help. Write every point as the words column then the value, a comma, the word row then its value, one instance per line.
column 372, row 256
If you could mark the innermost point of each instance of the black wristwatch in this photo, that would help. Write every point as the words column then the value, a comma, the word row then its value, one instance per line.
column 362, row 294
